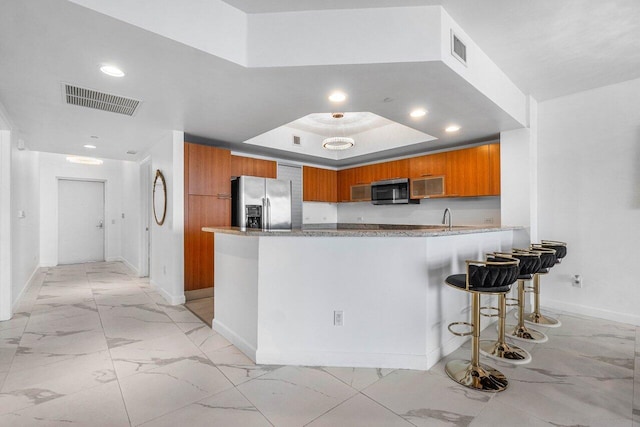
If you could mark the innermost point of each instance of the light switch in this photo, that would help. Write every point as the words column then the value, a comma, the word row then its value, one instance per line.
column 113, row 221
column 21, row 214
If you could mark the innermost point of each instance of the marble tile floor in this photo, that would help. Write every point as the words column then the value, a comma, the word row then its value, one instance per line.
column 202, row 308
column 93, row 345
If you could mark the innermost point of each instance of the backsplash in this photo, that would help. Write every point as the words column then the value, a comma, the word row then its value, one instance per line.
column 465, row 211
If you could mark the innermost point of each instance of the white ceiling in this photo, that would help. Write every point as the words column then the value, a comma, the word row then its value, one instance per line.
column 547, row 48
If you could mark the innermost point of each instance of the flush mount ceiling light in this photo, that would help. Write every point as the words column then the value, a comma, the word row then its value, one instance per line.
column 337, row 143
column 89, row 146
column 418, row 113
column 112, row 71
column 452, row 128
column 337, row 97
column 84, row 160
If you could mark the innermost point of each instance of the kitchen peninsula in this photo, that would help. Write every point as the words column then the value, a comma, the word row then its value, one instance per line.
column 362, row 297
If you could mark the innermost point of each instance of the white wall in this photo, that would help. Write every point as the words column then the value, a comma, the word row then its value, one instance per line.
column 589, row 196
column 5, row 222
column 319, row 213
column 54, row 166
column 167, row 241
column 131, row 223
column 465, row 211
column 212, row 26
column 481, row 72
column 25, row 231
column 345, row 36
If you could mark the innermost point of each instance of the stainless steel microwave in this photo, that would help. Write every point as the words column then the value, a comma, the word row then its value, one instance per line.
column 391, row 192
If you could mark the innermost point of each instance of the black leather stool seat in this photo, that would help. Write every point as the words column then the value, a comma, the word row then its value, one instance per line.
column 460, row 281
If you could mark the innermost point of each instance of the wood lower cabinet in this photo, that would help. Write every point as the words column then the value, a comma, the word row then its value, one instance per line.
column 198, row 245
column 319, row 185
column 207, row 193
column 250, row 166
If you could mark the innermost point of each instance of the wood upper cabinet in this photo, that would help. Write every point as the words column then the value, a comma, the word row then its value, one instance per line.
column 345, row 181
column 207, row 170
column 207, row 188
column 468, row 172
column 428, row 165
column 482, row 158
column 494, row 170
column 462, row 173
column 249, row 166
column 474, row 171
column 319, row 185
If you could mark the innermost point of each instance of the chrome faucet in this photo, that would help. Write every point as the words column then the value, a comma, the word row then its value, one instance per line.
column 444, row 218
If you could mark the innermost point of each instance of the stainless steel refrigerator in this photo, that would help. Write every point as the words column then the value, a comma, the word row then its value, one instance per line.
column 261, row 203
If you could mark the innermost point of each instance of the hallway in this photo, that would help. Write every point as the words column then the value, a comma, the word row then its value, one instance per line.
column 92, row 344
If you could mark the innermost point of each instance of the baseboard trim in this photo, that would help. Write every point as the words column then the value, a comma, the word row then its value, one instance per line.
column 341, row 359
column 235, row 339
column 589, row 311
column 26, row 286
column 171, row 299
column 125, row 262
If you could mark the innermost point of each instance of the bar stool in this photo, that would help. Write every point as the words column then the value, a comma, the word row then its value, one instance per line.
column 500, row 349
column 481, row 278
column 548, row 259
column 559, row 247
column 530, row 264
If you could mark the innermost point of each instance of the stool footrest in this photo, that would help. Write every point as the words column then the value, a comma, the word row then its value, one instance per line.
column 461, row 334
column 487, row 308
column 513, row 302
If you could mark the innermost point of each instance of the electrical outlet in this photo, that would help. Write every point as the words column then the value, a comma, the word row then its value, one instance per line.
column 360, row 218
column 338, row 318
column 577, row 280
column 488, row 220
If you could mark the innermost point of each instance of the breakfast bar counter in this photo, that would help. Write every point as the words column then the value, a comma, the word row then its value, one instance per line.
column 360, row 297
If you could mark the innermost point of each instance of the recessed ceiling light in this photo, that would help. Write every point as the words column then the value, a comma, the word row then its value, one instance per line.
column 112, row 71
column 337, row 97
column 418, row 113
column 84, row 160
column 452, row 128
column 89, row 146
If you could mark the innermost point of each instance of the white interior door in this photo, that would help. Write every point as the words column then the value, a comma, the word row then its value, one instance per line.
column 80, row 221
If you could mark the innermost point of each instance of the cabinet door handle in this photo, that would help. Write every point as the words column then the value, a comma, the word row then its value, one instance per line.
column 224, row 196
column 426, row 174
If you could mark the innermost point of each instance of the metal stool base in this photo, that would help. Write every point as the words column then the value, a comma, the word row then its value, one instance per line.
column 481, row 377
column 523, row 333
column 541, row 320
column 505, row 352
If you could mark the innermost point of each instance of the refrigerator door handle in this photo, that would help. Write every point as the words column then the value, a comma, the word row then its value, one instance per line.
column 269, row 213
column 264, row 214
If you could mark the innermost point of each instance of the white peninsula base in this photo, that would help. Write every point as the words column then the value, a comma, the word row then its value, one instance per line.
column 276, row 295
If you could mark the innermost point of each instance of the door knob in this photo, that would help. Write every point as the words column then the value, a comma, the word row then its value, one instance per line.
column 99, row 224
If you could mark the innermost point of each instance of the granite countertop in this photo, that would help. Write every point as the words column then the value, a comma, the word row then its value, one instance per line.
column 363, row 230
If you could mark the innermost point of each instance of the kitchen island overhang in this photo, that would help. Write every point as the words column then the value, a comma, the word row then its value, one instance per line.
column 276, row 293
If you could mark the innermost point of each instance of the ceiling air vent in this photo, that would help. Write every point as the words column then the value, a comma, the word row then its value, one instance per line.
column 458, row 48
column 89, row 98
column 296, row 140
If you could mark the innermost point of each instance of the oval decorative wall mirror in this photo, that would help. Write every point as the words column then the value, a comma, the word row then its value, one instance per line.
column 159, row 198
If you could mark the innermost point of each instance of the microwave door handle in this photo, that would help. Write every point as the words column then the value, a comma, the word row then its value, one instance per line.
column 264, row 214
